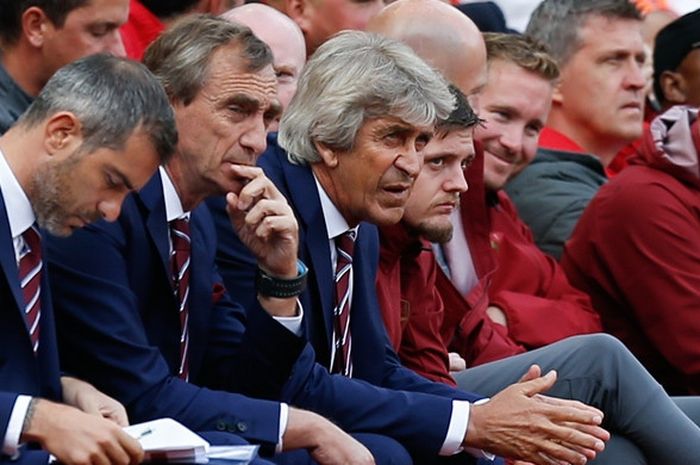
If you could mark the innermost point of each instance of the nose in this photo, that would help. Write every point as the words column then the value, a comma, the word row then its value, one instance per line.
column 111, row 208
column 634, row 78
column 512, row 139
column 254, row 138
column 116, row 45
column 410, row 162
column 456, row 181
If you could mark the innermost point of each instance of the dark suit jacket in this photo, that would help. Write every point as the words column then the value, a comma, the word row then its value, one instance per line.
column 119, row 326
column 423, row 423
column 21, row 372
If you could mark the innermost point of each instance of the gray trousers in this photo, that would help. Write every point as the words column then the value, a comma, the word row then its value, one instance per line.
column 648, row 427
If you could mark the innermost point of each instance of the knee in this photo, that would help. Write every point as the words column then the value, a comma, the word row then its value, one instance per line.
column 602, row 346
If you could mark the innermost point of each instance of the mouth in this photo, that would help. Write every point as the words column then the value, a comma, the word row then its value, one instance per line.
column 397, row 191
column 632, row 106
column 502, row 158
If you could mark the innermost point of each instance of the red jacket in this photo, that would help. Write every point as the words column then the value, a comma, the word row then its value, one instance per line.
column 636, row 251
column 530, row 287
column 419, row 327
column 142, row 28
column 426, row 315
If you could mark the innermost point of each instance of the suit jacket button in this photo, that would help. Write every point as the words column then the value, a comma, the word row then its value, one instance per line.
column 221, row 425
column 231, row 428
column 242, row 427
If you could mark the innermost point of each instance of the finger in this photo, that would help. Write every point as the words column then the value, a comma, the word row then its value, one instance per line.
column 236, row 215
column 569, row 403
column 264, row 208
column 116, row 453
column 274, row 225
column 547, row 460
column 563, row 413
column 532, row 373
column 555, row 453
column 132, row 448
column 257, row 187
column 572, row 438
column 592, row 430
column 116, row 414
column 539, row 385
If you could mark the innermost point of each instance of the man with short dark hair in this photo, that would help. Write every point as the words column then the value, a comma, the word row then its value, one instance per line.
column 39, row 36
column 677, row 62
column 81, row 147
column 597, row 108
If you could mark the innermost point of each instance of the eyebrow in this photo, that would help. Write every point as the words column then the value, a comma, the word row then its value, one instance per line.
column 244, row 100
column 275, row 110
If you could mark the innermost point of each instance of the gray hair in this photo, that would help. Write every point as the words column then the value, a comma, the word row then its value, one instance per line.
column 557, row 23
column 353, row 77
column 111, row 97
column 180, row 56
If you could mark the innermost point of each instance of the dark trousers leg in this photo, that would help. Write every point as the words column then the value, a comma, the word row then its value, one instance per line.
column 599, row 370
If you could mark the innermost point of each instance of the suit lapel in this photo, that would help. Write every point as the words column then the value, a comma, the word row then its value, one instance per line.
column 156, row 222
column 304, row 196
column 8, row 260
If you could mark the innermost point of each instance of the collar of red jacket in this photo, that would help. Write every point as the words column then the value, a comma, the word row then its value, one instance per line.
column 555, row 140
column 398, row 240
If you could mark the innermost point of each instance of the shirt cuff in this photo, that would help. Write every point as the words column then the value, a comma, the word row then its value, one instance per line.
column 293, row 323
column 10, row 445
column 457, row 431
column 284, row 414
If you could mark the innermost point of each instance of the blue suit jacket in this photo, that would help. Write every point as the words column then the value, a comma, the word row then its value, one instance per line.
column 119, row 326
column 421, row 415
column 21, row 372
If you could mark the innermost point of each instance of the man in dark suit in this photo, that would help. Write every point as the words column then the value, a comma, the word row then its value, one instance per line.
column 83, row 144
column 357, row 135
column 164, row 337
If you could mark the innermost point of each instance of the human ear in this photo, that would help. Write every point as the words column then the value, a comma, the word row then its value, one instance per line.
column 329, row 157
column 62, row 134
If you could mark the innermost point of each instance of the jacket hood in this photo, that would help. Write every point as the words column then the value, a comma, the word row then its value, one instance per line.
column 672, row 144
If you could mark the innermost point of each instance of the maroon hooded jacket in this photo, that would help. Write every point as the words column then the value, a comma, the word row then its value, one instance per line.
column 636, row 251
column 426, row 316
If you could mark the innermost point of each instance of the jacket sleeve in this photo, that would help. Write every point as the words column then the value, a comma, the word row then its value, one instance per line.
column 540, row 304
column 104, row 340
column 467, row 328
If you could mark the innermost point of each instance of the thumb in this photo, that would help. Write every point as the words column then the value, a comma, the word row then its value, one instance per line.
column 532, row 373
column 540, row 385
column 236, row 215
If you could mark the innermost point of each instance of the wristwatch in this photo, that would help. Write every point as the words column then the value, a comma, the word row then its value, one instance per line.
column 271, row 286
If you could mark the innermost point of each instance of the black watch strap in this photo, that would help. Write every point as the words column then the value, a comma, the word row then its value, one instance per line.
column 271, row 286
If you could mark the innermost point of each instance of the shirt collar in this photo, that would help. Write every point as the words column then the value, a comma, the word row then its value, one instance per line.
column 173, row 205
column 554, row 140
column 19, row 210
column 335, row 223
